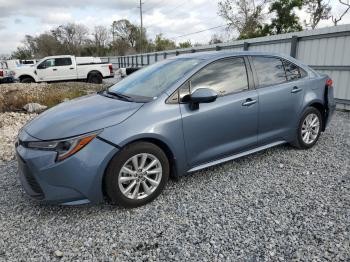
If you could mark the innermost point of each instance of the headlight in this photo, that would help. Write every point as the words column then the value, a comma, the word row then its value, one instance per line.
column 65, row 147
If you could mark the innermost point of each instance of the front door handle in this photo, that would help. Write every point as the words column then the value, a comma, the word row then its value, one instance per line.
column 71, row 68
column 296, row 89
column 249, row 102
column 55, row 69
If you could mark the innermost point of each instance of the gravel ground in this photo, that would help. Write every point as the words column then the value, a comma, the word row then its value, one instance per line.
column 280, row 204
column 10, row 124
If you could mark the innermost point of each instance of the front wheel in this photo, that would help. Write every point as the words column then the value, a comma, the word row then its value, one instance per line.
column 309, row 128
column 137, row 175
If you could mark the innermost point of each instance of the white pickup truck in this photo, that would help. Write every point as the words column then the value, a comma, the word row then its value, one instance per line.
column 6, row 75
column 65, row 68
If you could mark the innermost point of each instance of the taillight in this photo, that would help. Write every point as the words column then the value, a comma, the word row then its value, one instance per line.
column 1, row 73
column 329, row 82
column 110, row 69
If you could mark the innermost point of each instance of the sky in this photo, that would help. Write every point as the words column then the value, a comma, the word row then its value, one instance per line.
column 173, row 18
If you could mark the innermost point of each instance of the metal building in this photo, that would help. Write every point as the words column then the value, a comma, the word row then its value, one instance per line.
column 327, row 50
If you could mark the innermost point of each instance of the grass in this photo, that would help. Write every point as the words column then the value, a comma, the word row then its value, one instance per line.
column 48, row 95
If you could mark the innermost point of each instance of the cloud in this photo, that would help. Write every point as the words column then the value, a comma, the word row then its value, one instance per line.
column 18, row 21
column 57, row 18
column 173, row 18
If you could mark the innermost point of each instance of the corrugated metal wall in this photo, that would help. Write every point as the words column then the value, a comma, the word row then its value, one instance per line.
column 327, row 50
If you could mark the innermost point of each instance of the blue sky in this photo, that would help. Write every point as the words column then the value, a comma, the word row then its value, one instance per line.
column 171, row 17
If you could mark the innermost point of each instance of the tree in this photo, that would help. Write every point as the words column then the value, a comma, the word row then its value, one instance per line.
column 215, row 39
column 245, row 16
column 21, row 53
column 318, row 10
column 72, row 36
column 162, row 43
column 286, row 20
column 47, row 45
column 100, row 37
column 337, row 19
column 43, row 45
column 126, row 31
column 186, row 44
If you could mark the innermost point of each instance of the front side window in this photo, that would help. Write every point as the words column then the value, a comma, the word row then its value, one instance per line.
column 269, row 70
column 47, row 63
column 225, row 77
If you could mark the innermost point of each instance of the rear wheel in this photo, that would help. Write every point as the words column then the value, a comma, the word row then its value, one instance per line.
column 27, row 80
column 95, row 78
column 137, row 175
column 309, row 128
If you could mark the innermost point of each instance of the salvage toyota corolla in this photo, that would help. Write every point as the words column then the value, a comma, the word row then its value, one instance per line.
column 171, row 118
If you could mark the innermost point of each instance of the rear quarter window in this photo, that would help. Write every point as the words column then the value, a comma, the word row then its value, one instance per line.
column 293, row 72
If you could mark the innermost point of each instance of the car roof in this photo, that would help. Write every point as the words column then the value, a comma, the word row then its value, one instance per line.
column 222, row 54
column 214, row 55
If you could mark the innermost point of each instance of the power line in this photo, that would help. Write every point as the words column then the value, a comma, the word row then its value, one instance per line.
column 193, row 33
column 151, row 7
column 176, row 7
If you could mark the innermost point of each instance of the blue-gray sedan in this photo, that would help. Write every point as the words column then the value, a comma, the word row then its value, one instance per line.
column 171, row 118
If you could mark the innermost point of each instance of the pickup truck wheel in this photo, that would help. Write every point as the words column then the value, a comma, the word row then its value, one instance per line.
column 27, row 80
column 95, row 78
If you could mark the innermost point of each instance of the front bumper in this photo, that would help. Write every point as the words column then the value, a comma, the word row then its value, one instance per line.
column 75, row 180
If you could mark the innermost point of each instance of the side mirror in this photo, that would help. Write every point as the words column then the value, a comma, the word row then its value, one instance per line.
column 201, row 95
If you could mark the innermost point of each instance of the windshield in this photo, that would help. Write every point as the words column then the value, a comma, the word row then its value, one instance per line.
column 151, row 81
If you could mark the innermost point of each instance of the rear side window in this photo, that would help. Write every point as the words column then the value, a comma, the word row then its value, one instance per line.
column 224, row 76
column 293, row 72
column 269, row 70
column 66, row 61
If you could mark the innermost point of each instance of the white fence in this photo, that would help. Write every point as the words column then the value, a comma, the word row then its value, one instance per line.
column 326, row 50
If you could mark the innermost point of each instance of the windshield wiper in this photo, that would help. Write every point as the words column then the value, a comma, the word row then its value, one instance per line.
column 121, row 96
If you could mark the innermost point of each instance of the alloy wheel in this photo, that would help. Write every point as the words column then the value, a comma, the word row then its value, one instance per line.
column 310, row 128
column 140, row 176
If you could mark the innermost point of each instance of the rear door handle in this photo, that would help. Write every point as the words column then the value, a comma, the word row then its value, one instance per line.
column 71, row 68
column 55, row 69
column 296, row 89
column 249, row 102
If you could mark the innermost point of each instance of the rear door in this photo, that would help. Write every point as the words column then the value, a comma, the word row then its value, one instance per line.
column 227, row 125
column 64, row 69
column 281, row 91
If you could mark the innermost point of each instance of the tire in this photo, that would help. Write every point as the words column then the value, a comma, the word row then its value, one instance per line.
column 27, row 80
column 303, row 140
column 95, row 78
column 118, row 181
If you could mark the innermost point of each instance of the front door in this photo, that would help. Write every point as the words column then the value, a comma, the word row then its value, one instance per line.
column 227, row 125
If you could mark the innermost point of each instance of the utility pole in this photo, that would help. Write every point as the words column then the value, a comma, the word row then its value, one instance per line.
column 141, row 29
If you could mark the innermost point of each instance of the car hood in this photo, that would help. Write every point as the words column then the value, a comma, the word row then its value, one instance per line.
column 79, row 116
